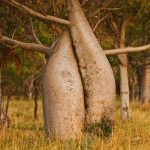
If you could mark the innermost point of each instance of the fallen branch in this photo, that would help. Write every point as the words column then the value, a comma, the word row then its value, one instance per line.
column 127, row 50
column 23, row 45
column 36, row 14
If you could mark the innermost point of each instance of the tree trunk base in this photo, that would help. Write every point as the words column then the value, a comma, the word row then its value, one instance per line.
column 4, row 120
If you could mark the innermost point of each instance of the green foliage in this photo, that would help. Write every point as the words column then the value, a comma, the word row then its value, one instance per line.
column 18, row 51
column 19, row 30
column 12, row 68
column 44, row 36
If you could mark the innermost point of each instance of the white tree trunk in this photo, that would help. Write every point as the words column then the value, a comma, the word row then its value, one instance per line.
column 96, row 72
column 124, row 87
column 63, row 100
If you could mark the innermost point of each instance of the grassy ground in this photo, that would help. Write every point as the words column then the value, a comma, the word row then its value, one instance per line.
column 26, row 134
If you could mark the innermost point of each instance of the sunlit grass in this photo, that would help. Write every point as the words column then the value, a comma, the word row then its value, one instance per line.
column 26, row 134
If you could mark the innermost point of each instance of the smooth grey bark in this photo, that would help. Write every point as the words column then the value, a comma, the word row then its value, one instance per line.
column 127, row 50
column 120, row 41
column 23, row 45
column 96, row 72
column 124, row 87
column 63, row 99
column 145, row 93
column 124, row 81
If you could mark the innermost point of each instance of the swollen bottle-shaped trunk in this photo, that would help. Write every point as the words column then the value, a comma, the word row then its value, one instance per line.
column 63, row 101
column 96, row 72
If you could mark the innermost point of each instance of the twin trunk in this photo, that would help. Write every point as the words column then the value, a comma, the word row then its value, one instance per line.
column 63, row 102
column 63, row 98
column 97, row 76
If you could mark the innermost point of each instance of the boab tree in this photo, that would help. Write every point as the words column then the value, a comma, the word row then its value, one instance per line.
column 77, row 75
column 63, row 100
column 95, row 69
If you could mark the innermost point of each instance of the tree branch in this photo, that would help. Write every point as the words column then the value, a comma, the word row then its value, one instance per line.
column 48, row 50
column 103, row 7
column 33, row 33
column 28, row 46
column 98, row 22
column 115, row 29
column 123, row 32
column 127, row 50
column 36, row 14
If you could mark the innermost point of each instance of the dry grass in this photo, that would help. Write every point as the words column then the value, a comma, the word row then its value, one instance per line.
column 25, row 134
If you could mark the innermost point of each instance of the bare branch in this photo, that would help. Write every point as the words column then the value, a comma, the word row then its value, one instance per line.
column 33, row 33
column 123, row 32
column 98, row 22
column 36, row 14
column 127, row 50
column 115, row 29
column 28, row 46
column 114, row 25
column 103, row 7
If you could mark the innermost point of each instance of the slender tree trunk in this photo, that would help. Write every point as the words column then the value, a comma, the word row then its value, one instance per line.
column 145, row 90
column 4, row 120
column 141, row 85
column 124, row 87
column 138, row 84
column 7, row 104
column 0, row 91
column 137, row 94
column 120, row 40
column 30, row 88
column 132, row 91
column 145, row 93
column 134, row 87
column 94, row 67
column 124, row 83
column 36, row 95
column 63, row 101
